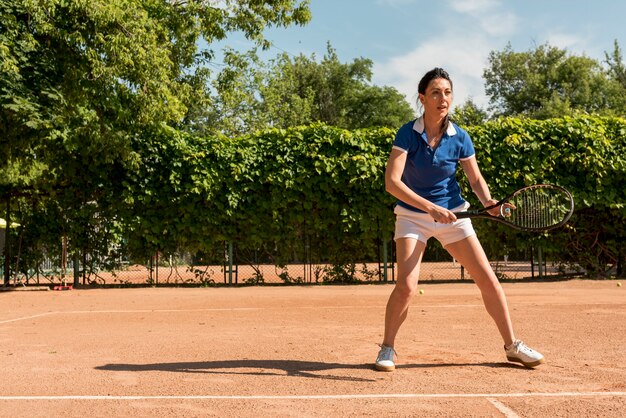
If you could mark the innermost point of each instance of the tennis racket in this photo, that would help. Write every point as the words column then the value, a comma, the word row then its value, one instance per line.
column 534, row 208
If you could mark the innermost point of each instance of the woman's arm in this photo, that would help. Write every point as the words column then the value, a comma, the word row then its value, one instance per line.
column 396, row 187
column 478, row 184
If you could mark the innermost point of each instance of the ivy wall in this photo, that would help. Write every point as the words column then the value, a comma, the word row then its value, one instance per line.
column 317, row 192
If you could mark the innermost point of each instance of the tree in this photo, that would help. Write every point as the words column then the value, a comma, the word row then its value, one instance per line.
column 92, row 73
column 469, row 114
column 376, row 106
column 296, row 90
column 300, row 90
column 83, row 81
column 548, row 82
column 617, row 69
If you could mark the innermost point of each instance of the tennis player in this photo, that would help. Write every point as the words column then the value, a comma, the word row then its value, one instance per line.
column 421, row 174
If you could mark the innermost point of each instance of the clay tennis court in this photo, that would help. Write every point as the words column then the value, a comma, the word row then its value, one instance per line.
column 308, row 351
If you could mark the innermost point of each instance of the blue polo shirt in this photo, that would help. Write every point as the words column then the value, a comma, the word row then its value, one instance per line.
column 431, row 173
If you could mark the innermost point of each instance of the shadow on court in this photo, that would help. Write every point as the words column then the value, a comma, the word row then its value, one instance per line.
column 295, row 368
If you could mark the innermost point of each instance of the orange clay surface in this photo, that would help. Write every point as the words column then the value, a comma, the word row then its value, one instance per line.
column 309, row 351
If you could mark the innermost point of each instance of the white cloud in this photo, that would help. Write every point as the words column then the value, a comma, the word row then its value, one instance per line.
column 486, row 14
column 463, row 57
column 499, row 24
column 395, row 3
column 473, row 6
column 566, row 41
column 469, row 31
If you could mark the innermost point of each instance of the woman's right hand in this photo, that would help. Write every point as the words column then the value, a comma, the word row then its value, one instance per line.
column 442, row 215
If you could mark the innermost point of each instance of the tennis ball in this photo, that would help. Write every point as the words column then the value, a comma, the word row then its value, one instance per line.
column 619, row 284
column 421, row 291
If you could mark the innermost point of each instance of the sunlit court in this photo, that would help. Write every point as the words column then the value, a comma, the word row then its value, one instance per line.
column 309, row 351
column 312, row 208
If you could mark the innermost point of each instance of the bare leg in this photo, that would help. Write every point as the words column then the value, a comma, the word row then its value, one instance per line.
column 409, row 253
column 471, row 255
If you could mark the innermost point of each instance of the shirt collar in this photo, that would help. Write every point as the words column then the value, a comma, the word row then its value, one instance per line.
column 418, row 126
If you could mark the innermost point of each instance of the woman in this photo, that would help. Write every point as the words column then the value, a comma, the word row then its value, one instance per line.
column 421, row 173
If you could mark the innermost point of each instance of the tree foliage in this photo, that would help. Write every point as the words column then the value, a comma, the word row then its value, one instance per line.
column 548, row 82
column 97, row 99
column 318, row 192
column 583, row 154
column 298, row 90
column 92, row 73
column 331, row 92
column 615, row 61
column 469, row 114
column 83, row 80
column 276, row 191
column 271, row 189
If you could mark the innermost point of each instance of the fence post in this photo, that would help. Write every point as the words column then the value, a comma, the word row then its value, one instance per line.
column 393, row 258
column 385, row 260
column 307, row 259
column 64, row 260
column 76, row 268
column 7, row 244
column 150, row 268
column 230, row 262
column 540, row 263
column 156, row 259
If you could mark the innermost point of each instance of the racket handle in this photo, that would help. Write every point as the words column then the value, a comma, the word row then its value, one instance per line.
column 461, row 215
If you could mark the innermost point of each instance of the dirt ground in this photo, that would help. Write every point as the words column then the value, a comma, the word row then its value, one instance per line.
column 308, row 351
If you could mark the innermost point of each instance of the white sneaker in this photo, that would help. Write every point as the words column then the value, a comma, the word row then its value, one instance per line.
column 384, row 361
column 521, row 353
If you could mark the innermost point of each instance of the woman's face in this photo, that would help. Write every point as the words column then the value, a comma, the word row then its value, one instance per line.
column 437, row 98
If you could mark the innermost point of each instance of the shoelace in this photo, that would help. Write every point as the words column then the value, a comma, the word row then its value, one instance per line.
column 526, row 349
column 519, row 346
column 515, row 346
column 383, row 347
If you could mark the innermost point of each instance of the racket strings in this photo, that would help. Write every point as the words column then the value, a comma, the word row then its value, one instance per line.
column 539, row 208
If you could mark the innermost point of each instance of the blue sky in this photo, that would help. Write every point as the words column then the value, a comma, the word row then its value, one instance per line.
column 405, row 38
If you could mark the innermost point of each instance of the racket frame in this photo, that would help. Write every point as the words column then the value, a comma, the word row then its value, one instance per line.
column 483, row 213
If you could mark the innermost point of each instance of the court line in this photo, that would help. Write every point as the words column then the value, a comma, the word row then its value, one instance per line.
column 26, row 317
column 313, row 397
column 451, row 306
column 126, row 311
column 506, row 411
column 217, row 310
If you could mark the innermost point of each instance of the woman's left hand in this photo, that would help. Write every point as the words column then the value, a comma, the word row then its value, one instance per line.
column 496, row 211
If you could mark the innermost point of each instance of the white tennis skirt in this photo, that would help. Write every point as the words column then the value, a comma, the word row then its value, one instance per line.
column 420, row 226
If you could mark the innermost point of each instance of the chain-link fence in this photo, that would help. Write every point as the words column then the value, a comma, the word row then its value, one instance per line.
column 233, row 266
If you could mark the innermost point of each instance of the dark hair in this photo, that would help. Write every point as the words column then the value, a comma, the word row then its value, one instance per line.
column 432, row 75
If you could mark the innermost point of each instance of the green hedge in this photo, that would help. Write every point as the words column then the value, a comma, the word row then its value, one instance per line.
column 276, row 191
column 317, row 193
column 587, row 156
column 324, row 187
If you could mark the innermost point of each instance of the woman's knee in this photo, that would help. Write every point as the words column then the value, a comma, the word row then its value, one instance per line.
column 489, row 284
column 406, row 288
